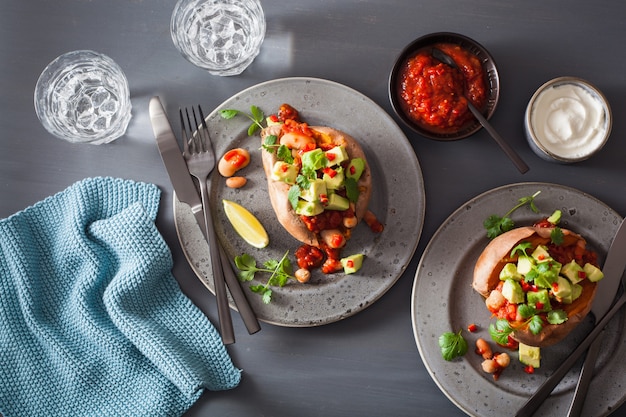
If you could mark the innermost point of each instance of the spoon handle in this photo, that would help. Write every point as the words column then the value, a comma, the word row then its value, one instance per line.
column 513, row 156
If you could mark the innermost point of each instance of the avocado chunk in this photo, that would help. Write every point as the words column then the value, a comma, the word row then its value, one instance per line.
column 314, row 159
column 316, row 189
column 510, row 272
column 336, row 156
column 334, row 178
column 512, row 291
column 573, row 272
column 355, row 168
column 529, row 355
column 540, row 254
column 337, row 202
column 577, row 290
column 555, row 217
column 309, row 208
column 562, row 290
column 594, row 274
column 539, row 299
column 352, row 263
column 282, row 171
column 525, row 264
column 546, row 273
column 272, row 120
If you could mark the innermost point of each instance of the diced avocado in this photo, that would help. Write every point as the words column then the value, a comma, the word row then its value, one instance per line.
column 316, row 189
column 562, row 290
column 529, row 355
column 355, row 168
column 282, row 171
column 539, row 299
column 540, row 254
column 524, row 264
column 555, row 217
column 309, row 208
column 352, row 263
column 510, row 272
column 273, row 120
column 547, row 273
column 334, row 180
column 337, row 202
column 573, row 272
column 594, row 274
column 512, row 291
column 336, row 155
column 577, row 289
column 314, row 159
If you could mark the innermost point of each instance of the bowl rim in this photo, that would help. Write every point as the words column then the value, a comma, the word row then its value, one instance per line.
column 469, row 44
column 567, row 79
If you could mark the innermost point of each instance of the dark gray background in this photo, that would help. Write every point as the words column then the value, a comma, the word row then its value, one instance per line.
column 366, row 365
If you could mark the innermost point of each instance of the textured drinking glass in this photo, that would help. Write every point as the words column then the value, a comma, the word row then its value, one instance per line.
column 221, row 36
column 83, row 97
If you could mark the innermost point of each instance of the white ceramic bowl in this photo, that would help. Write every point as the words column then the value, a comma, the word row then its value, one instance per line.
column 567, row 120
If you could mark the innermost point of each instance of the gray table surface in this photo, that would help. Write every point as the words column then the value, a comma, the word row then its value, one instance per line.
column 368, row 364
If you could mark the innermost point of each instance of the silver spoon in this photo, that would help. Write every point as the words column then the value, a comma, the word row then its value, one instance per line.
column 519, row 163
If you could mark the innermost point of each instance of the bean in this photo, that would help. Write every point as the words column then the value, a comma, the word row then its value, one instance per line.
column 303, row 275
column 483, row 349
column 502, row 359
column 236, row 182
column 490, row 366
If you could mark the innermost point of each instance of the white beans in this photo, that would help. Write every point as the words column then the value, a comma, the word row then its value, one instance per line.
column 483, row 349
column 333, row 238
column 236, row 182
column 233, row 161
column 303, row 275
column 294, row 140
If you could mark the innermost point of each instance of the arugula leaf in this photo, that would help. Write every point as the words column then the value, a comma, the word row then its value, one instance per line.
column 496, row 225
column 452, row 345
column 281, row 273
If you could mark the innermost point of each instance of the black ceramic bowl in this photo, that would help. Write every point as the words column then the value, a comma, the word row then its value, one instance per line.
column 491, row 78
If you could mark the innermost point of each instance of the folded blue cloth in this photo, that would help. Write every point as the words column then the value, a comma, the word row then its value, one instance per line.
column 92, row 321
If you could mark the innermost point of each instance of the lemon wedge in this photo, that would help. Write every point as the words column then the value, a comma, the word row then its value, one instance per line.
column 246, row 225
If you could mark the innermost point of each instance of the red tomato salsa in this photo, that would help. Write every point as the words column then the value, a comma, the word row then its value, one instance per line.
column 434, row 94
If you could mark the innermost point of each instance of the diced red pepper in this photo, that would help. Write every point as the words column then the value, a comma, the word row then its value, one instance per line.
column 582, row 274
column 350, row 263
column 529, row 369
column 274, row 118
column 330, row 172
column 472, row 328
column 323, row 199
column 337, row 240
column 539, row 306
column 331, row 156
column 352, row 170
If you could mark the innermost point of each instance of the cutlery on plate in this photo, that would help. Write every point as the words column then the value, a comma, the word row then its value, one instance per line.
column 614, row 266
column 186, row 192
column 439, row 55
column 200, row 158
column 613, row 270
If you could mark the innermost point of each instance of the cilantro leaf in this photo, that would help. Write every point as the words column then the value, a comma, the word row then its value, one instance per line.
column 293, row 195
column 280, row 270
column 256, row 116
column 556, row 236
column 452, row 345
column 496, row 225
column 521, row 248
column 535, row 324
column 500, row 331
column 557, row 317
column 526, row 310
column 284, row 153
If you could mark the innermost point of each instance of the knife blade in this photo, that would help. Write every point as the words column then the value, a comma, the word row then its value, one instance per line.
column 187, row 193
column 613, row 269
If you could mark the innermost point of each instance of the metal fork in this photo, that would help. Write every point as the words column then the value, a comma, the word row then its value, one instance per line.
column 200, row 157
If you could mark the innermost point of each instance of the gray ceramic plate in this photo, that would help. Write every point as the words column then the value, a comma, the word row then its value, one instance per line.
column 397, row 200
column 443, row 300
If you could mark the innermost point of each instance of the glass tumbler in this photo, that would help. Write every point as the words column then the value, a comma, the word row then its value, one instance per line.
column 83, row 97
column 221, row 36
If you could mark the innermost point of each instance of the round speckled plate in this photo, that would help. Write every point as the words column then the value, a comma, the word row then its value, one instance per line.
column 443, row 300
column 397, row 200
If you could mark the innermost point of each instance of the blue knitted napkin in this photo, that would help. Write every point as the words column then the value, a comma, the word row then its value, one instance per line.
column 92, row 322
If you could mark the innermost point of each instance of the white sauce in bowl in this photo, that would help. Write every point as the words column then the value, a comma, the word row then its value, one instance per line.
column 569, row 121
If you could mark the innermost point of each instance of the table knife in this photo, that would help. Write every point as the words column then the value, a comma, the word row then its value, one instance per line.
column 186, row 192
column 613, row 270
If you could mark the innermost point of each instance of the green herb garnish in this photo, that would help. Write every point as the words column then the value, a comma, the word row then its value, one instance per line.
column 452, row 345
column 256, row 116
column 281, row 272
column 497, row 225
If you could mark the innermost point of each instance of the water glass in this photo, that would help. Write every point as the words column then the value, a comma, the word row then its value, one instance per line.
column 83, row 97
column 221, row 36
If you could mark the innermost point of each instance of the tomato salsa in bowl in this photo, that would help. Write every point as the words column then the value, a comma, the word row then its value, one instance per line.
column 430, row 97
